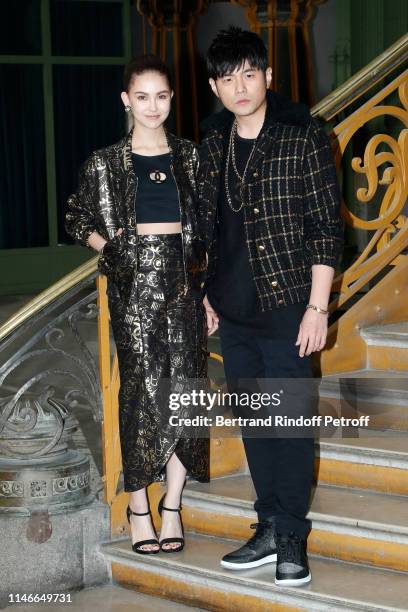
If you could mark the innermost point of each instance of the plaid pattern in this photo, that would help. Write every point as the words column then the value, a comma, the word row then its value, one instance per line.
column 292, row 205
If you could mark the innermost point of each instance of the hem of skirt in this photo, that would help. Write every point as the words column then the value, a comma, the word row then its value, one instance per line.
column 160, row 478
column 206, row 478
column 161, row 475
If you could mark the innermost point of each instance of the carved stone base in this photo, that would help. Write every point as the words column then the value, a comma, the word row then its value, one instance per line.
column 54, row 483
column 53, row 554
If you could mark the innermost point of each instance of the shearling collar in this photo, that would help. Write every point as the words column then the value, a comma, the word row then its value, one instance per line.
column 279, row 110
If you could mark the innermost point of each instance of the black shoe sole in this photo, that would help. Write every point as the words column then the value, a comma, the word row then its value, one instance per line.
column 249, row 564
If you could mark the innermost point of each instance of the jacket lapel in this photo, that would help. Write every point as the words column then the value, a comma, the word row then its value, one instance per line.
column 173, row 144
column 266, row 142
column 127, row 152
column 129, row 187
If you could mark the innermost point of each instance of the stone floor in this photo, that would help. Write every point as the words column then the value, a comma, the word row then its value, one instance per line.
column 110, row 598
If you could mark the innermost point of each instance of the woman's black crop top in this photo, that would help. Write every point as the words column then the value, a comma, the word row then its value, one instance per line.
column 157, row 196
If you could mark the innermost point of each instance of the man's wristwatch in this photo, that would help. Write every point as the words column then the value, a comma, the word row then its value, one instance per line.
column 317, row 309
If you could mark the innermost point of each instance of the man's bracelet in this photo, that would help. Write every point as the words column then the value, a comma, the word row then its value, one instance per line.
column 317, row 309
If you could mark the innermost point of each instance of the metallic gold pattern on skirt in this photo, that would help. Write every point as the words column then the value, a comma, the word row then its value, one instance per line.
column 173, row 339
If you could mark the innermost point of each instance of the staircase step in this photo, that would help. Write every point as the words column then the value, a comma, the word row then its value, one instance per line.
column 195, row 577
column 383, row 356
column 381, row 394
column 387, row 346
column 377, row 386
column 376, row 460
column 226, row 452
column 351, row 525
column 392, row 416
column 391, row 335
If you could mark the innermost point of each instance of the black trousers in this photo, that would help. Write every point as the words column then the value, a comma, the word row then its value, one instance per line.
column 281, row 468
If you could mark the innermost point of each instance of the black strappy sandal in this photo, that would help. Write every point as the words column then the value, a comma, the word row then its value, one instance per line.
column 171, row 540
column 136, row 546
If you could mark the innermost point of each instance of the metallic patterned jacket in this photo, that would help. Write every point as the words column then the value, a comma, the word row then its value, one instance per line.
column 292, row 200
column 106, row 200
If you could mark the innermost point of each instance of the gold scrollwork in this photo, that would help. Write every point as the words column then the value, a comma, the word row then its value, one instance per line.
column 384, row 165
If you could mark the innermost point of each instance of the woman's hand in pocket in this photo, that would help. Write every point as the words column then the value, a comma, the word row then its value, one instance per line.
column 110, row 253
column 101, row 245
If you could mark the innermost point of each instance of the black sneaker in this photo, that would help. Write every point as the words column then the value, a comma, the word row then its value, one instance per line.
column 292, row 568
column 259, row 549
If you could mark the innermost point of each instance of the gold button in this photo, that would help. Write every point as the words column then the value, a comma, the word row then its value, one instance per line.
column 256, row 211
column 274, row 283
column 255, row 173
column 280, row 302
column 261, row 247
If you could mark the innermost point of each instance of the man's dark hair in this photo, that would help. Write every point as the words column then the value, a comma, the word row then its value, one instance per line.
column 144, row 63
column 229, row 50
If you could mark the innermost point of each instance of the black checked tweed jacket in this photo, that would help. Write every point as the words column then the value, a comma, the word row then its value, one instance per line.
column 292, row 200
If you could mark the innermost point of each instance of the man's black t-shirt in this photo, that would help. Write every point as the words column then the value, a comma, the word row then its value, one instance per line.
column 232, row 293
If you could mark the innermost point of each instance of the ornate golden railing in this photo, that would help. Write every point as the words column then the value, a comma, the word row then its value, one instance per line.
column 363, row 81
column 384, row 166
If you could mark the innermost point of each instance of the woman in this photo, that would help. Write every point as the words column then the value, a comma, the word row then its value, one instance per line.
column 136, row 205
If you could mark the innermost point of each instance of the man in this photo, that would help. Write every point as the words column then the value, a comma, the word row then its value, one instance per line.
column 270, row 214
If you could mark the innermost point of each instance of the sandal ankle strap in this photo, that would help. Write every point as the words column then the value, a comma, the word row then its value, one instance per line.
column 162, row 507
column 139, row 513
column 171, row 509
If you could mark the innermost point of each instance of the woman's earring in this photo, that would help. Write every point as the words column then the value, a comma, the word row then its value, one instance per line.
column 128, row 108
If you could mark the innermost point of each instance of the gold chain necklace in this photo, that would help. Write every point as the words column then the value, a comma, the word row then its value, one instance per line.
column 241, row 179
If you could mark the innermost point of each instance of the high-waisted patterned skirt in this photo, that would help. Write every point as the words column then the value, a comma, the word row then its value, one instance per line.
column 173, row 333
